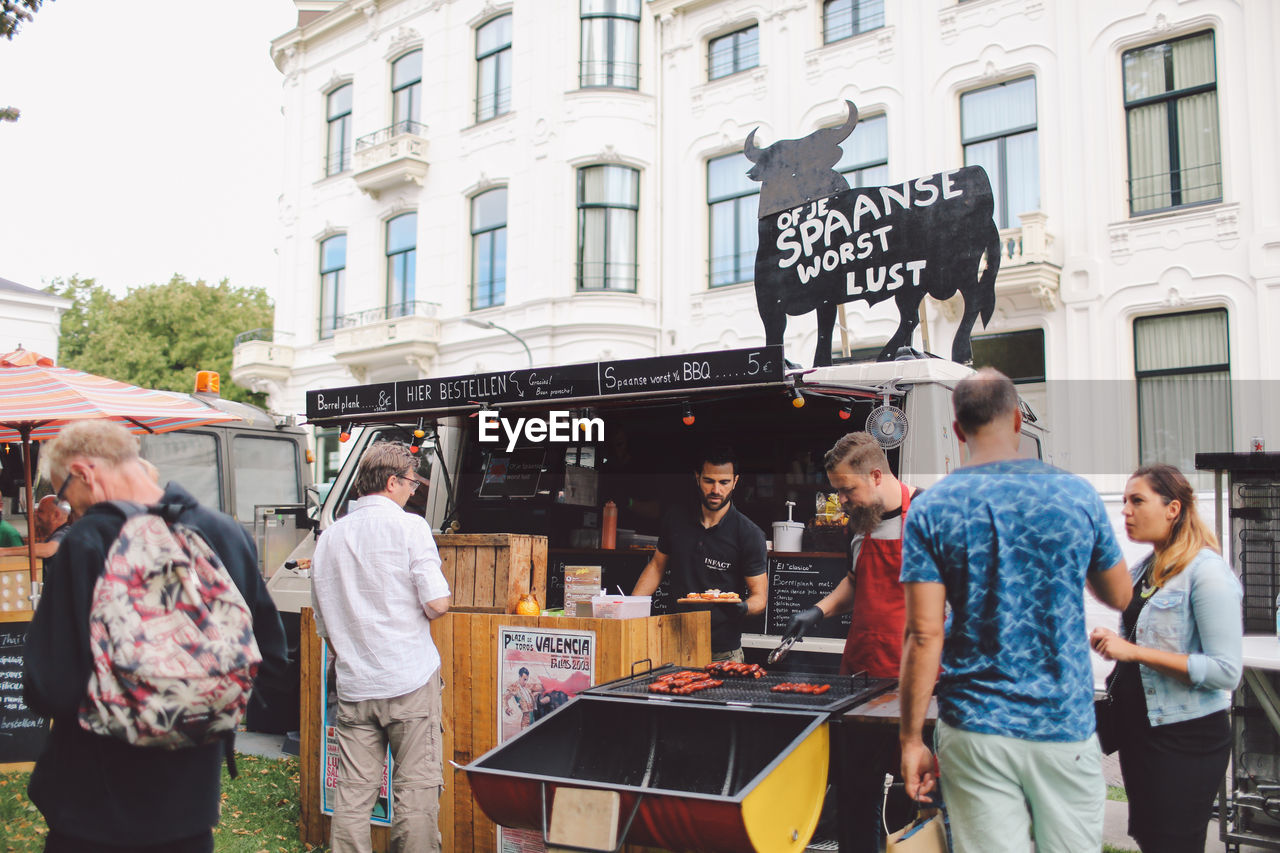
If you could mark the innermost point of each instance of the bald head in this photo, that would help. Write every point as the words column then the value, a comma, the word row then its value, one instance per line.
column 49, row 517
column 982, row 398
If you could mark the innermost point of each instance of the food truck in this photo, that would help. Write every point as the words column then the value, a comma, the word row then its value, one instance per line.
column 544, row 451
column 554, row 481
column 541, row 454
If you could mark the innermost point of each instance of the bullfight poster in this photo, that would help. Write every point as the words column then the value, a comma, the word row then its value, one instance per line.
column 381, row 815
column 538, row 671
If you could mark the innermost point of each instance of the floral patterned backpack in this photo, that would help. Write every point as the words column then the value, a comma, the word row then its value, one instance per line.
column 174, row 657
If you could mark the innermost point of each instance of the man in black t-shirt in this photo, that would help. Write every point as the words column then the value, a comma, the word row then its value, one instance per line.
column 712, row 546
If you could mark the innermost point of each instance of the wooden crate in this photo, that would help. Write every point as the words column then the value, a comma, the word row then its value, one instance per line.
column 492, row 570
column 15, row 588
column 468, row 644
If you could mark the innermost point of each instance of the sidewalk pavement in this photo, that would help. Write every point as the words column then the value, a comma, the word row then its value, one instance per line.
column 257, row 743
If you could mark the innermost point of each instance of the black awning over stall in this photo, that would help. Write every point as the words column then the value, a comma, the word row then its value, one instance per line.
column 571, row 384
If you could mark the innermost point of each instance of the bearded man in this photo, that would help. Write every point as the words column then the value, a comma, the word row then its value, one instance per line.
column 876, row 503
column 712, row 547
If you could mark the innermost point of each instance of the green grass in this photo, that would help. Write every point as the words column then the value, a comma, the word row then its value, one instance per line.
column 1117, row 793
column 1107, row 848
column 259, row 810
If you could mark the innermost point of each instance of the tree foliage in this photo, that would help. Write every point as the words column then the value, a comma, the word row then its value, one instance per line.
column 15, row 13
column 159, row 336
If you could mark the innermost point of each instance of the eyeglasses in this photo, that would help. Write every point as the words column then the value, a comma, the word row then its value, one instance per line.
column 63, row 503
column 413, row 482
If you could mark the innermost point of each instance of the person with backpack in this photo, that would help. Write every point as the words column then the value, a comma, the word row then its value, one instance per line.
column 134, row 764
column 377, row 585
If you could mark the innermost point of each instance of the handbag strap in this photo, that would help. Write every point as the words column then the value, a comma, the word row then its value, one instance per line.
column 1133, row 632
column 884, row 802
column 884, row 805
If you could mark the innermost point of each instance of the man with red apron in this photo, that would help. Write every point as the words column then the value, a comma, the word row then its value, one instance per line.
column 874, row 644
column 876, row 503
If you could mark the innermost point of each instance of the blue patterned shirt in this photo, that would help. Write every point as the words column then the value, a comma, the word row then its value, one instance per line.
column 1012, row 541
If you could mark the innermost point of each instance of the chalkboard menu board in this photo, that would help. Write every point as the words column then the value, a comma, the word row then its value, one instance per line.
column 22, row 732
column 351, row 401
column 668, row 373
column 700, row 370
column 797, row 581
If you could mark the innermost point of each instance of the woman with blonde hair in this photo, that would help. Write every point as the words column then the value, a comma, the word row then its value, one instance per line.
column 1174, row 673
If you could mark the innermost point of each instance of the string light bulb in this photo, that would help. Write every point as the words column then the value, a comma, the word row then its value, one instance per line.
column 421, row 431
column 846, row 412
column 688, row 415
column 345, row 435
column 797, row 399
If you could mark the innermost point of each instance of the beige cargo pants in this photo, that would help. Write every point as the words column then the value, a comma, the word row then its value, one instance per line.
column 410, row 724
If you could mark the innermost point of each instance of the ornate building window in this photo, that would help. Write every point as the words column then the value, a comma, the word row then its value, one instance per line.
column 998, row 129
column 493, row 69
column 402, row 264
column 338, row 116
column 1171, row 109
column 610, row 44
column 333, row 276
column 489, row 249
column 608, row 214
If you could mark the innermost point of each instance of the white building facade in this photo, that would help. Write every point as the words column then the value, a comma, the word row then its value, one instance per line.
column 30, row 318
column 475, row 185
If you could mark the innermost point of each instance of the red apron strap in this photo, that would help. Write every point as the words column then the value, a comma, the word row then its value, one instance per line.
column 874, row 643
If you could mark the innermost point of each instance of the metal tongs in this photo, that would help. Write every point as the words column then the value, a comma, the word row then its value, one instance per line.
column 781, row 651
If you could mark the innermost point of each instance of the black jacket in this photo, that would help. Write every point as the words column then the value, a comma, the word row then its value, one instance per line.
column 99, row 788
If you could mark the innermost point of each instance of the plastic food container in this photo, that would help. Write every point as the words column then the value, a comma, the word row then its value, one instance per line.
column 787, row 535
column 620, row 606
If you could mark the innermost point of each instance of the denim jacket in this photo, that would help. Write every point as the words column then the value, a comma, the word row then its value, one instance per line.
column 1196, row 613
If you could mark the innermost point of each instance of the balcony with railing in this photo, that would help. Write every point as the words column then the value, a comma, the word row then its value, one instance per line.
column 1030, row 263
column 396, row 334
column 261, row 355
column 391, row 157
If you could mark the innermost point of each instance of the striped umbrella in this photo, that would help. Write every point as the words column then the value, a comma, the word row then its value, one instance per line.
column 37, row 399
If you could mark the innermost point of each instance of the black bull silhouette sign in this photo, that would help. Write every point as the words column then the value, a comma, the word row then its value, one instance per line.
column 822, row 243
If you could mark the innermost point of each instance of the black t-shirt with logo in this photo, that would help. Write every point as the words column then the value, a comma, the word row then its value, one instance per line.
column 721, row 557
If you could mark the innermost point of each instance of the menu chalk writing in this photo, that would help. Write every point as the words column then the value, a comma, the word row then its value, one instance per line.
column 798, row 581
column 352, row 401
column 699, row 370
column 22, row 732
column 668, row 373
column 563, row 382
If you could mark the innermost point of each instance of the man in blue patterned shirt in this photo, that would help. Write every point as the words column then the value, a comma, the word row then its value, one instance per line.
column 1009, row 543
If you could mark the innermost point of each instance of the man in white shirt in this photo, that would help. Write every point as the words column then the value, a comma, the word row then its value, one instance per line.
column 377, row 584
